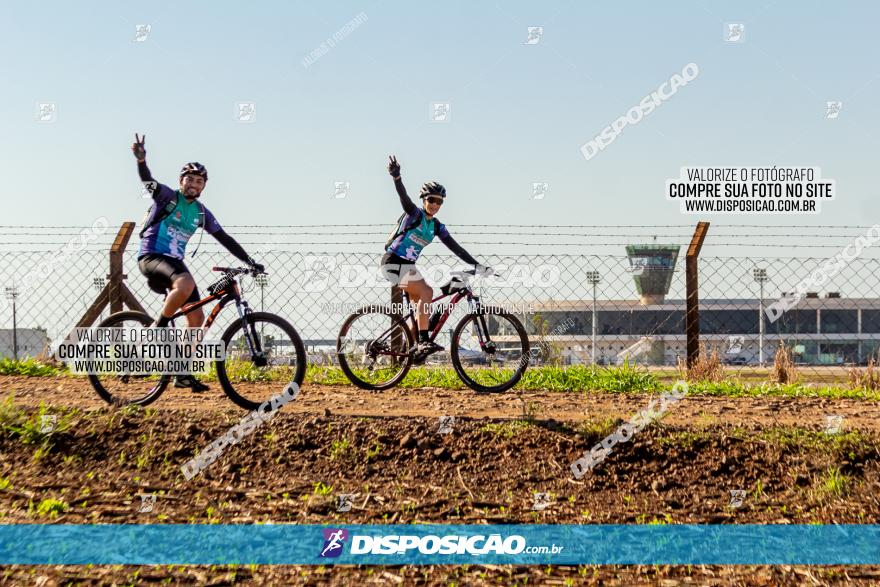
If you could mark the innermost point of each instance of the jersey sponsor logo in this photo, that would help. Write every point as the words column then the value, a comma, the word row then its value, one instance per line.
column 416, row 239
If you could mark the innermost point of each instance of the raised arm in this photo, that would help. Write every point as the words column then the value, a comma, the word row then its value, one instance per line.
column 140, row 153
column 405, row 201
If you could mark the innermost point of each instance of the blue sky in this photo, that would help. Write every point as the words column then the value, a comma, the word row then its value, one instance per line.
column 519, row 113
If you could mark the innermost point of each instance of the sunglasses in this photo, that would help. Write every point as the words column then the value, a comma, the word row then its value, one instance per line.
column 437, row 201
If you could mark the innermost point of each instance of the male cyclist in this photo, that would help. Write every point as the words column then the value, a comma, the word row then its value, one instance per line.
column 169, row 224
column 416, row 228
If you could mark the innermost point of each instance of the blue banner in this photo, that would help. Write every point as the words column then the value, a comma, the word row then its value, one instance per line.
column 396, row 544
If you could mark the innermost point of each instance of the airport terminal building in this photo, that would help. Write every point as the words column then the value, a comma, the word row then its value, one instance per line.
column 822, row 329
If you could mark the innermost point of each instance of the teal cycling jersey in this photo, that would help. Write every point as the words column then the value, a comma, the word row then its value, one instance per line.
column 170, row 235
column 410, row 241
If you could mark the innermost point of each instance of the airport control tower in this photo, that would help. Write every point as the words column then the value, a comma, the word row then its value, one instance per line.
column 652, row 267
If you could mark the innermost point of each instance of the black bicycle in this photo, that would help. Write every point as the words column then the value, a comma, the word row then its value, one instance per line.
column 261, row 348
column 489, row 347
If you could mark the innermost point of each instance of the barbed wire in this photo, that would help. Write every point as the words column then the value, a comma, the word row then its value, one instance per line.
column 386, row 225
column 469, row 242
column 378, row 233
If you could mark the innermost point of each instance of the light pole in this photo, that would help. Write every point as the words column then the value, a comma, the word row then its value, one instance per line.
column 594, row 278
column 262, row 280
column 760, row 275
column 98, row 285
column 12, row 294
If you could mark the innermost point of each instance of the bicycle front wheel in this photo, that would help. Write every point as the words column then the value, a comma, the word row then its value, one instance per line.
column 374, row 348
column 264, row 356
column 490, row 350
column 120, row 389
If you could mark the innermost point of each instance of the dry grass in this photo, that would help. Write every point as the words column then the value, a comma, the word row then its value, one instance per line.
column 707, row 367
column 868, row 379
column 784, row 369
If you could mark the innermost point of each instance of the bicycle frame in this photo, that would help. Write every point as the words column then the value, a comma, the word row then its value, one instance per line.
column 482, row 327
column 457, row 296
column 229, row 293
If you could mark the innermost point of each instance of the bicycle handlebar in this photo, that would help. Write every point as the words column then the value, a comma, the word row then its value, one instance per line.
column 239, row 270
column 473, row 272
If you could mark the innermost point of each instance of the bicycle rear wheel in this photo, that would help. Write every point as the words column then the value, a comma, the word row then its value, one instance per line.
column 121, row 389
column 374, row 348
column 490, row 350
column 250, row 376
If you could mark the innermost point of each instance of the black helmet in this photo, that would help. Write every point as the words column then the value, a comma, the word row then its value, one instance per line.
column 433, row 189
column 194, row 168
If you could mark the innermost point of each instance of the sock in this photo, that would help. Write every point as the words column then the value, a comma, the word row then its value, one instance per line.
column 423, row 335
column 162, row 321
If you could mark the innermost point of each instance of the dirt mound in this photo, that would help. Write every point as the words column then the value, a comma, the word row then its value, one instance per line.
column 96, row 465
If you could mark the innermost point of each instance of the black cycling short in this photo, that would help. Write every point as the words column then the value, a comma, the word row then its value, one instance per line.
column 399, row 271
column 161, row 271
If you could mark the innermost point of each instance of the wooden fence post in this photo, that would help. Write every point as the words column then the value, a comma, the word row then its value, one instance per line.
column 692, row 313
column 115, row 293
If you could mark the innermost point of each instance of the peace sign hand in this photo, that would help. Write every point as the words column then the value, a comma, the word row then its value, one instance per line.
column 140, row 152
column 393, row 166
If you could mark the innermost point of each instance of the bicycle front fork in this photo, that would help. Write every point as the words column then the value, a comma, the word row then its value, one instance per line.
column 481, row 326
column 254, row 343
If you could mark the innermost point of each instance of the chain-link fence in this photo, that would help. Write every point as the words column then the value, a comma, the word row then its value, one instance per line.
column 624, row 304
